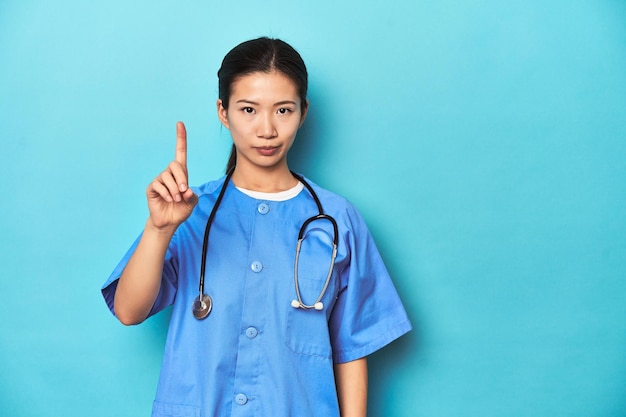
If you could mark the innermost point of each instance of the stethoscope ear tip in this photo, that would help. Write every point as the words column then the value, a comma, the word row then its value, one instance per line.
column 319, row 306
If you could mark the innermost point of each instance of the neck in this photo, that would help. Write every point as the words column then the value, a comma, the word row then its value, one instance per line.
column 263, row 179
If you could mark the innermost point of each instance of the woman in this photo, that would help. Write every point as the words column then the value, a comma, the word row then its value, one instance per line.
column 273, row 331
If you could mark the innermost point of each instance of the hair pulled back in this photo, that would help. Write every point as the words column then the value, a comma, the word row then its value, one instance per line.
column 260, row 55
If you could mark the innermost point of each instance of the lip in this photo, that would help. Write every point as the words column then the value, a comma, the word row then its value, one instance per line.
column 267, row 150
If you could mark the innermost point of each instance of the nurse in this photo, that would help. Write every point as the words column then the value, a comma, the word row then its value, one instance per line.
column 258, row 352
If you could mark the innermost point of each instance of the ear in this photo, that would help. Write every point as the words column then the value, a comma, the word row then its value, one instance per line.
column 222, row 113
column 305, row 110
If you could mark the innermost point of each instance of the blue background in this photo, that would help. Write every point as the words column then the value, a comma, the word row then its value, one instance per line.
column 483, row 141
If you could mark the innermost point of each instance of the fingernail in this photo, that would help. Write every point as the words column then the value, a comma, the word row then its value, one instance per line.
column 183, row 187
column 177, row 198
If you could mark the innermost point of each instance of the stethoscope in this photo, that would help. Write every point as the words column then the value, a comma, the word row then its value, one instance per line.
column 203, row 303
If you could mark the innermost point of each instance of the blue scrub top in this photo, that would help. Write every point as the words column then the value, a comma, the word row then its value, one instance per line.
column 256, row 355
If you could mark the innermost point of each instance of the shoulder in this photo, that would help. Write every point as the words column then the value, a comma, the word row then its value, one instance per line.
column 337, row 205
column 207, row 197
column 210, row 187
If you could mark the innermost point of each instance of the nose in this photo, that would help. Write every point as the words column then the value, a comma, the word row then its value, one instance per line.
column 266, row 128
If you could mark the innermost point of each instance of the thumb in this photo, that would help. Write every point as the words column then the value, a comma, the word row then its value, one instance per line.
column 190, row 197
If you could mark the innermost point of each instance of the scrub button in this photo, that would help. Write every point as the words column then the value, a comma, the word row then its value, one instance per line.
column 256, row 266
column 241, row 399
column 251, row 332
column 263, row 208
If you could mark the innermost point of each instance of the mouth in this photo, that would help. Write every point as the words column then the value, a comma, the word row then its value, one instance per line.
column 267, row 150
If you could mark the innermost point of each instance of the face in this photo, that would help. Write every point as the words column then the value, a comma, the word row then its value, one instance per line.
column 263, row 116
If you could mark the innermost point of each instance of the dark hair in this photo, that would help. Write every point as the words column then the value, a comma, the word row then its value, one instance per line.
column 260, row 55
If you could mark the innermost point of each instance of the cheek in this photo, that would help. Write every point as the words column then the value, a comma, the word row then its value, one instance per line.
column 237, row 135
column 238, row 128
column 291, row 127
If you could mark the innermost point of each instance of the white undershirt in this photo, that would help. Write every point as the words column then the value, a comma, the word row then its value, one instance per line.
column 279, row 196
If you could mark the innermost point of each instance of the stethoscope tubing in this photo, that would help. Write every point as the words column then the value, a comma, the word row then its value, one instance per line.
column 207, row 230
column 317, row 304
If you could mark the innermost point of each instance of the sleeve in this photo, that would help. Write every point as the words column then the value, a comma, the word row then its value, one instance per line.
column 368, row 313
column 169, row 280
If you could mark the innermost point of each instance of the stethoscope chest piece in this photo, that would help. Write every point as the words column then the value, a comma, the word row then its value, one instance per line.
column 202, row 306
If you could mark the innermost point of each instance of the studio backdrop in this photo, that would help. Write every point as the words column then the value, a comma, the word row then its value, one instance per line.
column 484, row 142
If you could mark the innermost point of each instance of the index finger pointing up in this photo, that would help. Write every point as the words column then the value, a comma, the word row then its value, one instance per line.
column 181, row 144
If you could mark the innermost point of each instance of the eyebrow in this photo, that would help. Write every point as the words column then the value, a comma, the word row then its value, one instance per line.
column 280, row 103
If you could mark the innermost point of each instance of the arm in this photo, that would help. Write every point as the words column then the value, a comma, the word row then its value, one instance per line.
column 140, row 281
column 351, row 381
column 170, row 202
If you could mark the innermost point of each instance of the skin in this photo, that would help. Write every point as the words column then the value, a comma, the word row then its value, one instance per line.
column 351, row 382
column 263, row 116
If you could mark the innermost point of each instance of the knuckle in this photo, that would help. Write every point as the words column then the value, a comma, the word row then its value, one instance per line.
column 154, row 184
column 165, row 176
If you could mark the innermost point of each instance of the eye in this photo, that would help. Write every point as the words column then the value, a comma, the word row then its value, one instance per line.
column 248, row 110
column 284, row 110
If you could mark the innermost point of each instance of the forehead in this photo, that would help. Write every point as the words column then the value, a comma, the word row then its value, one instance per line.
column 264, row 86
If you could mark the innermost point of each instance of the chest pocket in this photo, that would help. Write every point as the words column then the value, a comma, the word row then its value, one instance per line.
column 307, row 330
column 173, row 410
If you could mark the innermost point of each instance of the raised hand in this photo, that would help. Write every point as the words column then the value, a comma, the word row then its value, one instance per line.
column 170, row 200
